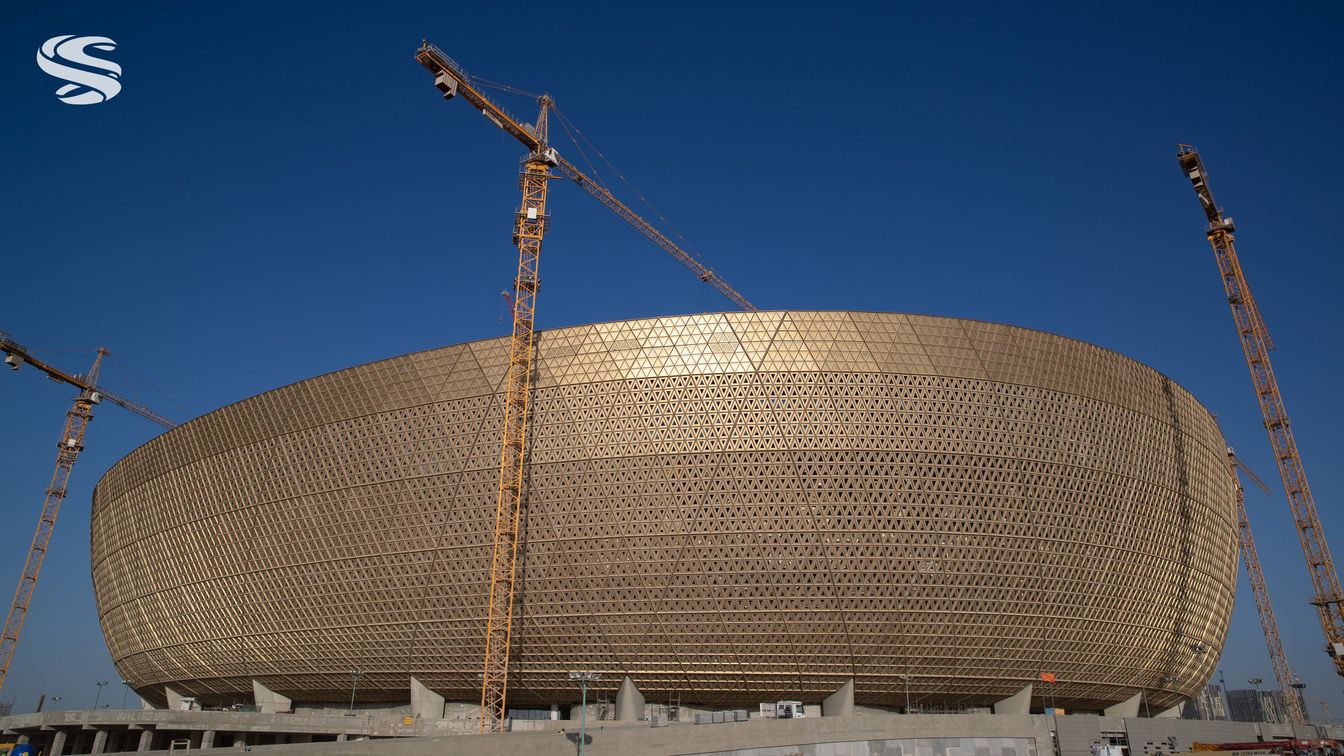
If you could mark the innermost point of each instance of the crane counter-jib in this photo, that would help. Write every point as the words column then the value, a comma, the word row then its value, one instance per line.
column 451, row 80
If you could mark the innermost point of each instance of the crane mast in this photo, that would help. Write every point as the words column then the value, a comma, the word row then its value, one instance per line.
column 1256, row 344
column 1283, row 674
column 68, row 449
column 530, row 225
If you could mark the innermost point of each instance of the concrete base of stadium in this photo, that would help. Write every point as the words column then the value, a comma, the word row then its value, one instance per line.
column 147, row 731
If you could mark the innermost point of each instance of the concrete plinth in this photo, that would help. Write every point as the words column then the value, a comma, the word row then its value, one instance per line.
column 426, row 705
column 841, row 702
column 175, row 700
column 629, row 702
column 1172, row 713
column 1126, row 708
column 269, row 701
column 1019, row 703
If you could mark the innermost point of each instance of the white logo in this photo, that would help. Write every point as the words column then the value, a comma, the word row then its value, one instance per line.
column 87, row 87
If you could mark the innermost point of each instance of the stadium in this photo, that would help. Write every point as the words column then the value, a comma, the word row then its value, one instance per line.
column 726, row 508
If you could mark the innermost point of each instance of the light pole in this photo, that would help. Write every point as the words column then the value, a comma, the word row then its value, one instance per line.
column 124, row 691
column 906, row 680
column 1227, row 704
column 1298, row 687
column 355, row 674
column 583, row 678
column 99, row 697
column 1255, row 683
column 54, row 699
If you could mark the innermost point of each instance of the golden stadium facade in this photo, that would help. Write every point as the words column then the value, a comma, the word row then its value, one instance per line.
column 729, row 508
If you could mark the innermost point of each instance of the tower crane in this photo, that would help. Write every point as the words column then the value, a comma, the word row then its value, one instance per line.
column 1283, row 674
column 1256, row 344
column 530, row 224
column 68, row 449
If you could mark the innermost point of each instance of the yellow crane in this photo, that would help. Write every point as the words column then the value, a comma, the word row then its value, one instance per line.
column 1283, row 674
column 530, row 225
column 68, row 449
column 1256, row 345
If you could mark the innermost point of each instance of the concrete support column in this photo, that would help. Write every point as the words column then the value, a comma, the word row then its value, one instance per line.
column 1018, row 703
column 99, row 742
column 1172, row 713
column 208, row 739
column 555, row 712
column 1127, row 708
column 146, row 740
column 629, row 702
column 22, row 740
column 57, row 743
column 341, row 737
column 841, row 702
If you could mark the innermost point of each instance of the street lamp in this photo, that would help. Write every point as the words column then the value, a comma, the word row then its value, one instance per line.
column 1255, row 682
column 99, row 697
column 583, row 678
column 54, row 699
column 124, row 691
column 355, row 674
column 906, row 680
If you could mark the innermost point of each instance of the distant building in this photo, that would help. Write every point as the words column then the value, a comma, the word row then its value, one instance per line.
column 1255, row 706
column 1209, row 704
column 6, row 707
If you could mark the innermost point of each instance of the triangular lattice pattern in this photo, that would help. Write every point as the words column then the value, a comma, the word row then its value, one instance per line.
column 729, row 508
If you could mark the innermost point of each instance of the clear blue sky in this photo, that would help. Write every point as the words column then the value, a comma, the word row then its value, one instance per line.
column 280, row 192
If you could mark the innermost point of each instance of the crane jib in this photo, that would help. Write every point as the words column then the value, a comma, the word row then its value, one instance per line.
column 452, row 80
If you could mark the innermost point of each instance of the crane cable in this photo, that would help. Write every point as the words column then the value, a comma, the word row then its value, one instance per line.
column 571, row 129
column 502, row 87
column 567, row 124
column 133, row 372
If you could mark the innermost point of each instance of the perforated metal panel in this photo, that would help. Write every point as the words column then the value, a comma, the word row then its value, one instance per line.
column 730, row 508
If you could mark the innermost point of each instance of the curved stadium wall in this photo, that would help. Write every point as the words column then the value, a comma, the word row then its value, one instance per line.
column 730, row 508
